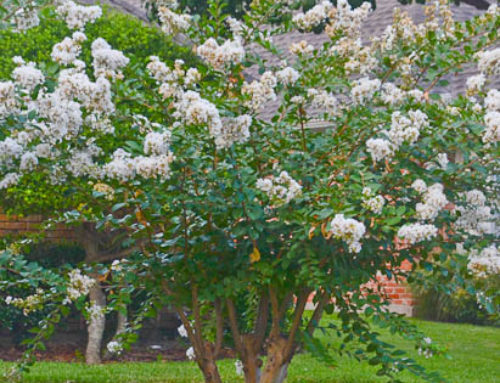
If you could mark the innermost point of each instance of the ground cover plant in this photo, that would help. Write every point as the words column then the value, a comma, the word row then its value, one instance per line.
column 235, row 218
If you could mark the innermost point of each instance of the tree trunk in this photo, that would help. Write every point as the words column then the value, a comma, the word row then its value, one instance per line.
column 208, row 366
column 95, row 326
column 277, row 362
column 122, row 322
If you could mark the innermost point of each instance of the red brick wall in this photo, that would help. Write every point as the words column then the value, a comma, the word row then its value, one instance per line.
column 13, row 225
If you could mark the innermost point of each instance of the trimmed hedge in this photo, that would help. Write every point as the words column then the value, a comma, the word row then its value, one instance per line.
column 135, row 39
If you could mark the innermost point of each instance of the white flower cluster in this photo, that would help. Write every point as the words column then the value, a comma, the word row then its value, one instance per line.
column 260, row 91
column 364, row 89
column 10, row 179
column 8, row 101
column 218, row 56
column 26, row 75
column 195, row 110
column 29, row 304
column 313, row 17
column 281, row 190
column 434, row 201
column 10, row 150
column 489, row 62
column 234, row 129
column 417, row 232
column 76, row 16
column 287, row 76
column 171, row 22
column 349, row 230
column 475, row 217
column 124, row 167
column 379, row 148
column 66, row 52
column 372, row 202
column 420, row 186
column 182, row 331
column 487, row 262
column 347, row 20
column 392, row 95
column 324, row 100
column 190, row 354
column 26, row 18
column 157, row 143
column 107, row 62
column 475, row 83
column 492, row 131
column 403, row 129
column 492, row 100
column 425, row 348
column 79, row 285
column 115, row 347
column 170, row 79
column 301, row 48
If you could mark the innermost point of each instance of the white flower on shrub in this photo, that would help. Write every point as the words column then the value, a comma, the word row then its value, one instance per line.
column 190, row 354
column 115, row 347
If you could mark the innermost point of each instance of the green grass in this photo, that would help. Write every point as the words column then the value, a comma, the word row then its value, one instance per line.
column 475, row 355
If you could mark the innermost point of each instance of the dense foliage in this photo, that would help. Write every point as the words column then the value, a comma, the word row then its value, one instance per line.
column 215, row 203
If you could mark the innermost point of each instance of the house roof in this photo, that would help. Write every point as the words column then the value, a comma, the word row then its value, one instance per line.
column 374, row 26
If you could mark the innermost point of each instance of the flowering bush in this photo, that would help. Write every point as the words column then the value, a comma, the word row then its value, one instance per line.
column 227, row 205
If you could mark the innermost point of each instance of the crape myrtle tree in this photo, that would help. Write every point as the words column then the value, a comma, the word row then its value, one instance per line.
column 50, row 196
column 239, row 218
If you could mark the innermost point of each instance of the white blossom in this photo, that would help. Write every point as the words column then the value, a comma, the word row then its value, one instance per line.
column 281, row 190
column 114, row 347
column 26, row 18
column 475, row 83
column 171, row 22
column 379, row 148
column 301, row 48
column 349, row 230
column 287, row 76
column 190, row 354
column 260, row 91
column 487, row 262
column 492, row 131
column 76, row 16
column 27, row 76
column 66, row 52
column 364, row 89
column 417, row 232
column 233, row 129
column 10, row 179
column 313, row 17
column 419, row 185
column 182, row 331
column 492, row 100
column 107, row 61
column 78, row 285
column 230, row 52
column 157, row 143
column 489, row 61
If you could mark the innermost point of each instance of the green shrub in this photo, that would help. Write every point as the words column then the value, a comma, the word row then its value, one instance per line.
column 123, row 32
column 459, row 306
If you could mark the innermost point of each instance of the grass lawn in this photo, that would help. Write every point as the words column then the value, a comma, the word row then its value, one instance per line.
column 475, row 355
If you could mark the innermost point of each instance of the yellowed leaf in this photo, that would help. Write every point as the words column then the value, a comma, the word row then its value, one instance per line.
column 255, row 255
